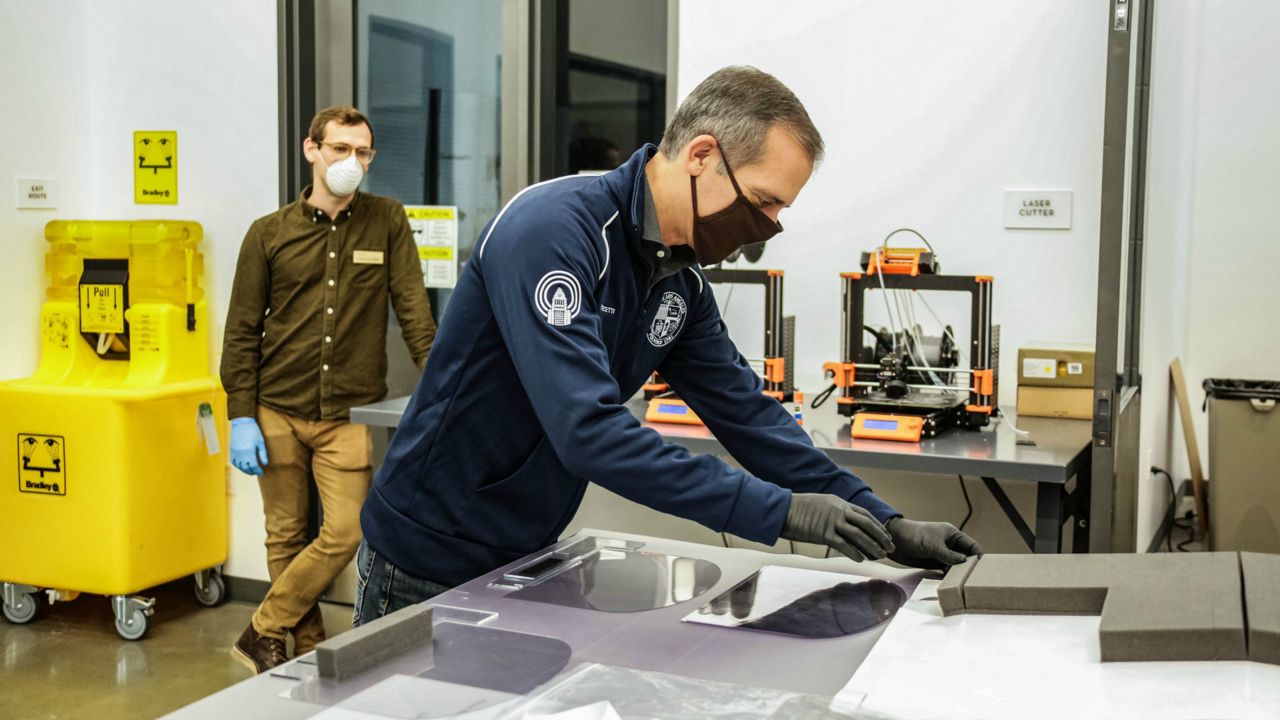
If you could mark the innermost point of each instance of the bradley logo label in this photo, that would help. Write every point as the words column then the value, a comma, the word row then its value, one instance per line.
column 42, row 464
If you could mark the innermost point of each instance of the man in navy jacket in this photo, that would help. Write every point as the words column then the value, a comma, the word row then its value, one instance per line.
column 576, row 292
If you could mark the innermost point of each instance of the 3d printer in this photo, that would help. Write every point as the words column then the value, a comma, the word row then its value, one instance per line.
column 779, row 351
column 905, row 386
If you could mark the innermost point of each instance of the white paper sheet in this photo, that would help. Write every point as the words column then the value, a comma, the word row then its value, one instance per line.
column 602, row 710
column 406, row 697
column 992, row 667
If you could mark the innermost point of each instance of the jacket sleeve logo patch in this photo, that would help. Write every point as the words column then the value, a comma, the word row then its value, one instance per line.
column 668, row 320
column 558, row 298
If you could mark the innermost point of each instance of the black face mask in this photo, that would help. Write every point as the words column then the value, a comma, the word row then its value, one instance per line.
column 717, row 236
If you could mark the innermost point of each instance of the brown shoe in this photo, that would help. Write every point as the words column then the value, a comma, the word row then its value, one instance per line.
column 258, row 652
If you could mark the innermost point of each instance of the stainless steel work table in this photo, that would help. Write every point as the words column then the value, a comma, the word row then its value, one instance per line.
column 1062, row 451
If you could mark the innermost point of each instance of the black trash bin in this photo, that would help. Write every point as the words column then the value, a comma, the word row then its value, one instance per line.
column 1244, row 464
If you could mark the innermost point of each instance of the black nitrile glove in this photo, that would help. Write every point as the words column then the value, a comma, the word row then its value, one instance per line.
column 929, row 545
column 837, row 523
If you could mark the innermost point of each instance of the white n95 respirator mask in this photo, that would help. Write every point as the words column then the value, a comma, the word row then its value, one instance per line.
column 344, row 176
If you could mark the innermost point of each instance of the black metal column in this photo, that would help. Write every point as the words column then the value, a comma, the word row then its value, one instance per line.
column 297, row 77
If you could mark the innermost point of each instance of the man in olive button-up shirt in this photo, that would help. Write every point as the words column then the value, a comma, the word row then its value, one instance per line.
column 305, row 340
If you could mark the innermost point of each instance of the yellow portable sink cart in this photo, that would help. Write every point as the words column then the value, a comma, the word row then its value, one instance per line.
column 112, row 474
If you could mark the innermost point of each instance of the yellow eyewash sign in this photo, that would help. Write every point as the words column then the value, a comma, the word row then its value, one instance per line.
column 42, row 464
column 155, row 167
column 102, row 308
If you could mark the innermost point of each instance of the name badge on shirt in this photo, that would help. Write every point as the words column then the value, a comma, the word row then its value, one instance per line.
column 367, row 257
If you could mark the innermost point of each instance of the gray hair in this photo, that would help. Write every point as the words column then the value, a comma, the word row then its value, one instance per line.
column 738, row 105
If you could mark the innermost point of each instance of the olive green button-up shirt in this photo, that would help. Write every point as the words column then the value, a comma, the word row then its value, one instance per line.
column 306, row 330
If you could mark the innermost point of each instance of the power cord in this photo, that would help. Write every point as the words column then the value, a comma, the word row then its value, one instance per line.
column 728, row 300
column 1184, row 523
column 884, row 247
column 913, row 231
column 1173, row 507
column 822, row 397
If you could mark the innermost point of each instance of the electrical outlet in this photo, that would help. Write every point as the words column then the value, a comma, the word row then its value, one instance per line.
column 1186, row 505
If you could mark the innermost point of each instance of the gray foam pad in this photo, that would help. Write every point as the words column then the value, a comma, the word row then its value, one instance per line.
column 951, row 589
column 361, row 648
column 1153, row 607
column 1262, row 599
column 1176, row 607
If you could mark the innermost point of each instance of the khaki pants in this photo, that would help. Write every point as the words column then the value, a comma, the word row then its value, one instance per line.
column 338, row 454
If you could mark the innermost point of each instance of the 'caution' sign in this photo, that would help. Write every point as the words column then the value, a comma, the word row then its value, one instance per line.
column 102, row 308
column 432, row 252
column 42, row 464
column 435, row 231
column 155, row 167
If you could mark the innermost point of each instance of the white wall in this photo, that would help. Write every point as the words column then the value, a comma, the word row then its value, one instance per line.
column 930, row 110
column 92, row 73
column 1170, row 169
column 1213, row 187
column 1235, row 240
column 209, row 72
column 46, row 136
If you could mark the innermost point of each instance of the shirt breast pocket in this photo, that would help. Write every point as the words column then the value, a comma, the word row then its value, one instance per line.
column 368, row 269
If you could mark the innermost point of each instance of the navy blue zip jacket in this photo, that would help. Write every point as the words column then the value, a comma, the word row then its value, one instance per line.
column 552, row 327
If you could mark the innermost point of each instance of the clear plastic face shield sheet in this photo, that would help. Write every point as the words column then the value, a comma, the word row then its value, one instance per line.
column 474, row 670
column 610, row 576
column 467, row 668
column 552, row 634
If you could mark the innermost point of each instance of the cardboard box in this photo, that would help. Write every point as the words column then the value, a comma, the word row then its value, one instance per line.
column 1055, row 402
column 1056, row 365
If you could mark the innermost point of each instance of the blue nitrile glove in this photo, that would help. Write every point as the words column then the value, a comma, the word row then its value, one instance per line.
column 247, row 445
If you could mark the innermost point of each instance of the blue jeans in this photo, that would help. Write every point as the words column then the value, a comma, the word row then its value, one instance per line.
column 383, row 588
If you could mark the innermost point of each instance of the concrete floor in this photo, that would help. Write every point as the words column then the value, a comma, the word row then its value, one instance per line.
column 70, row 663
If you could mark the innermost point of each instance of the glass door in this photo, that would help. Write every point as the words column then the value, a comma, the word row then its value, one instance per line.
column 428, row 73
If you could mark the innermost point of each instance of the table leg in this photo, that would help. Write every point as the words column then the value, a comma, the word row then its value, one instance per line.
column 1050, row 499
column 1080, row 518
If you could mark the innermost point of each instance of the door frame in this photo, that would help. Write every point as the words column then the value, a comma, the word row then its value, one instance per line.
column 1117, row 380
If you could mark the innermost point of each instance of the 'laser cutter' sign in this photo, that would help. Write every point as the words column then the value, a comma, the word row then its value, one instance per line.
column 1037, row 209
